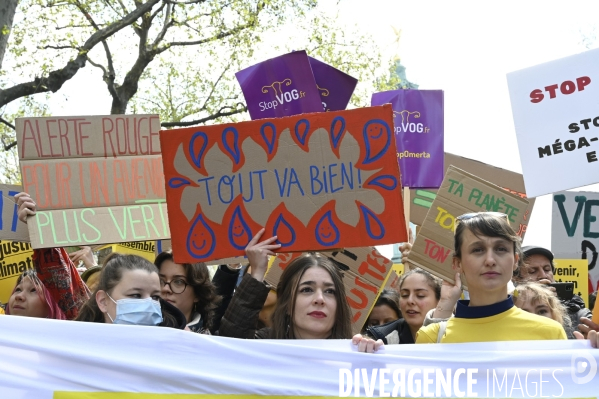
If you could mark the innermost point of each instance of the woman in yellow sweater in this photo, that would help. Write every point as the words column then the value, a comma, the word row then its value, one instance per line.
column 487, row 251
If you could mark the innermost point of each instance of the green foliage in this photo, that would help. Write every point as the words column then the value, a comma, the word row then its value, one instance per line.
column 197, row 88
column 180, row 59
column 9, row 160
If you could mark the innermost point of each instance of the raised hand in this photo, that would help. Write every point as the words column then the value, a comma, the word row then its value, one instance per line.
column 405, row 249
column 85, row 255
column 258, row 253
column 27, row 206
column 450, row 294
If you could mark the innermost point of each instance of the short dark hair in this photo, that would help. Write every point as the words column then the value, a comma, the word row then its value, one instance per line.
column 390, row 298
column 530, row 250
column 487, row 224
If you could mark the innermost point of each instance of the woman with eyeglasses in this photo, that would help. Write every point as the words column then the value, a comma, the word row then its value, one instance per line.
column 487, row 252
column 188, row 287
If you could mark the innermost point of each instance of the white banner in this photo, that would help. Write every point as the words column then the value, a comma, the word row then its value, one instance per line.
column 575, row 230
column 48, row 359
column 556, row 115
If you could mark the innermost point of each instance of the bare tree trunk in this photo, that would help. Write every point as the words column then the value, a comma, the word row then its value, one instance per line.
column 7, row 14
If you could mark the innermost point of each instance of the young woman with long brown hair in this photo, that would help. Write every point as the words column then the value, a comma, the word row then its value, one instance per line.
column 311, row 301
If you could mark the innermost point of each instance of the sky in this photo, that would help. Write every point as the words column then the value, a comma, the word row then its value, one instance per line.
column 465, row 48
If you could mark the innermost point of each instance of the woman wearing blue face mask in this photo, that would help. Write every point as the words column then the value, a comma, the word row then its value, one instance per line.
column 128, row 292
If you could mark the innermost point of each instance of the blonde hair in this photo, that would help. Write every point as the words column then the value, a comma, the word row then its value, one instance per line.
column 539, row 294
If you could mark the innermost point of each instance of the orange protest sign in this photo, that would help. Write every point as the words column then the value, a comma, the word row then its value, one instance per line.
column 317, row 181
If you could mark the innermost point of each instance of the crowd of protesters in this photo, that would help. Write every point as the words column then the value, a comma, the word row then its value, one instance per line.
column 310, row 301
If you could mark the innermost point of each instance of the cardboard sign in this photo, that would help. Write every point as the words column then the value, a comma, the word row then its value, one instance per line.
column 93, row 182
column 573, row 271
column 557, row 122
column 459, row 193
column 281, row 86
column 335, row 87
column 107, row 136
column 421, row 200
column 10, row 227
column 392, row 279
column 162, row 246
column 15, row 258
column 575, row 230
column 92, row 226
column 419, row 133
column 364, row 273
column 165, row 245
column 95, row 179
column 317, row 181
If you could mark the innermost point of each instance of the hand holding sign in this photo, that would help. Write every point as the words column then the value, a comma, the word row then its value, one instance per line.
column 587, row 325
column 27, row 206
column 405, row 249
column 316, row 181
column 367, row 345
column 450, row 294
column 258, row 252
column 85, row 255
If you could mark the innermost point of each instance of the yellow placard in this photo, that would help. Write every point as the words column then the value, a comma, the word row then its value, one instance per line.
column 399, row 268
column 573, row 271
column 145, row 249
column 15, row 258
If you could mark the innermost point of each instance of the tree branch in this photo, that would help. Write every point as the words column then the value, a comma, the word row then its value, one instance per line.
column 9, row 146
column 75, row 26
column 109, row 4
column 110, row 75
column 55, row 79
column 184, row 2
column 146, row 54
column 214, row 86
column 7, row 123
column 158, row 11
column 206, row 40
column 123, row 7
column 168, row 22
column 219, row 114
column 96, row 65
column 57, row 47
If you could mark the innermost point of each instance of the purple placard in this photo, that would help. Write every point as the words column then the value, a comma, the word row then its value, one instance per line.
column 281, row 86
column 418, row 118
column 335, row 87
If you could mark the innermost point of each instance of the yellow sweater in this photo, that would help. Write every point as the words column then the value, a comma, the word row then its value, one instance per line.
column 511, row 325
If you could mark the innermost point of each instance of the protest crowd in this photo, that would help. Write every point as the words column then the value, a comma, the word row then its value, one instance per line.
column 275, row 280
column 311, row 302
